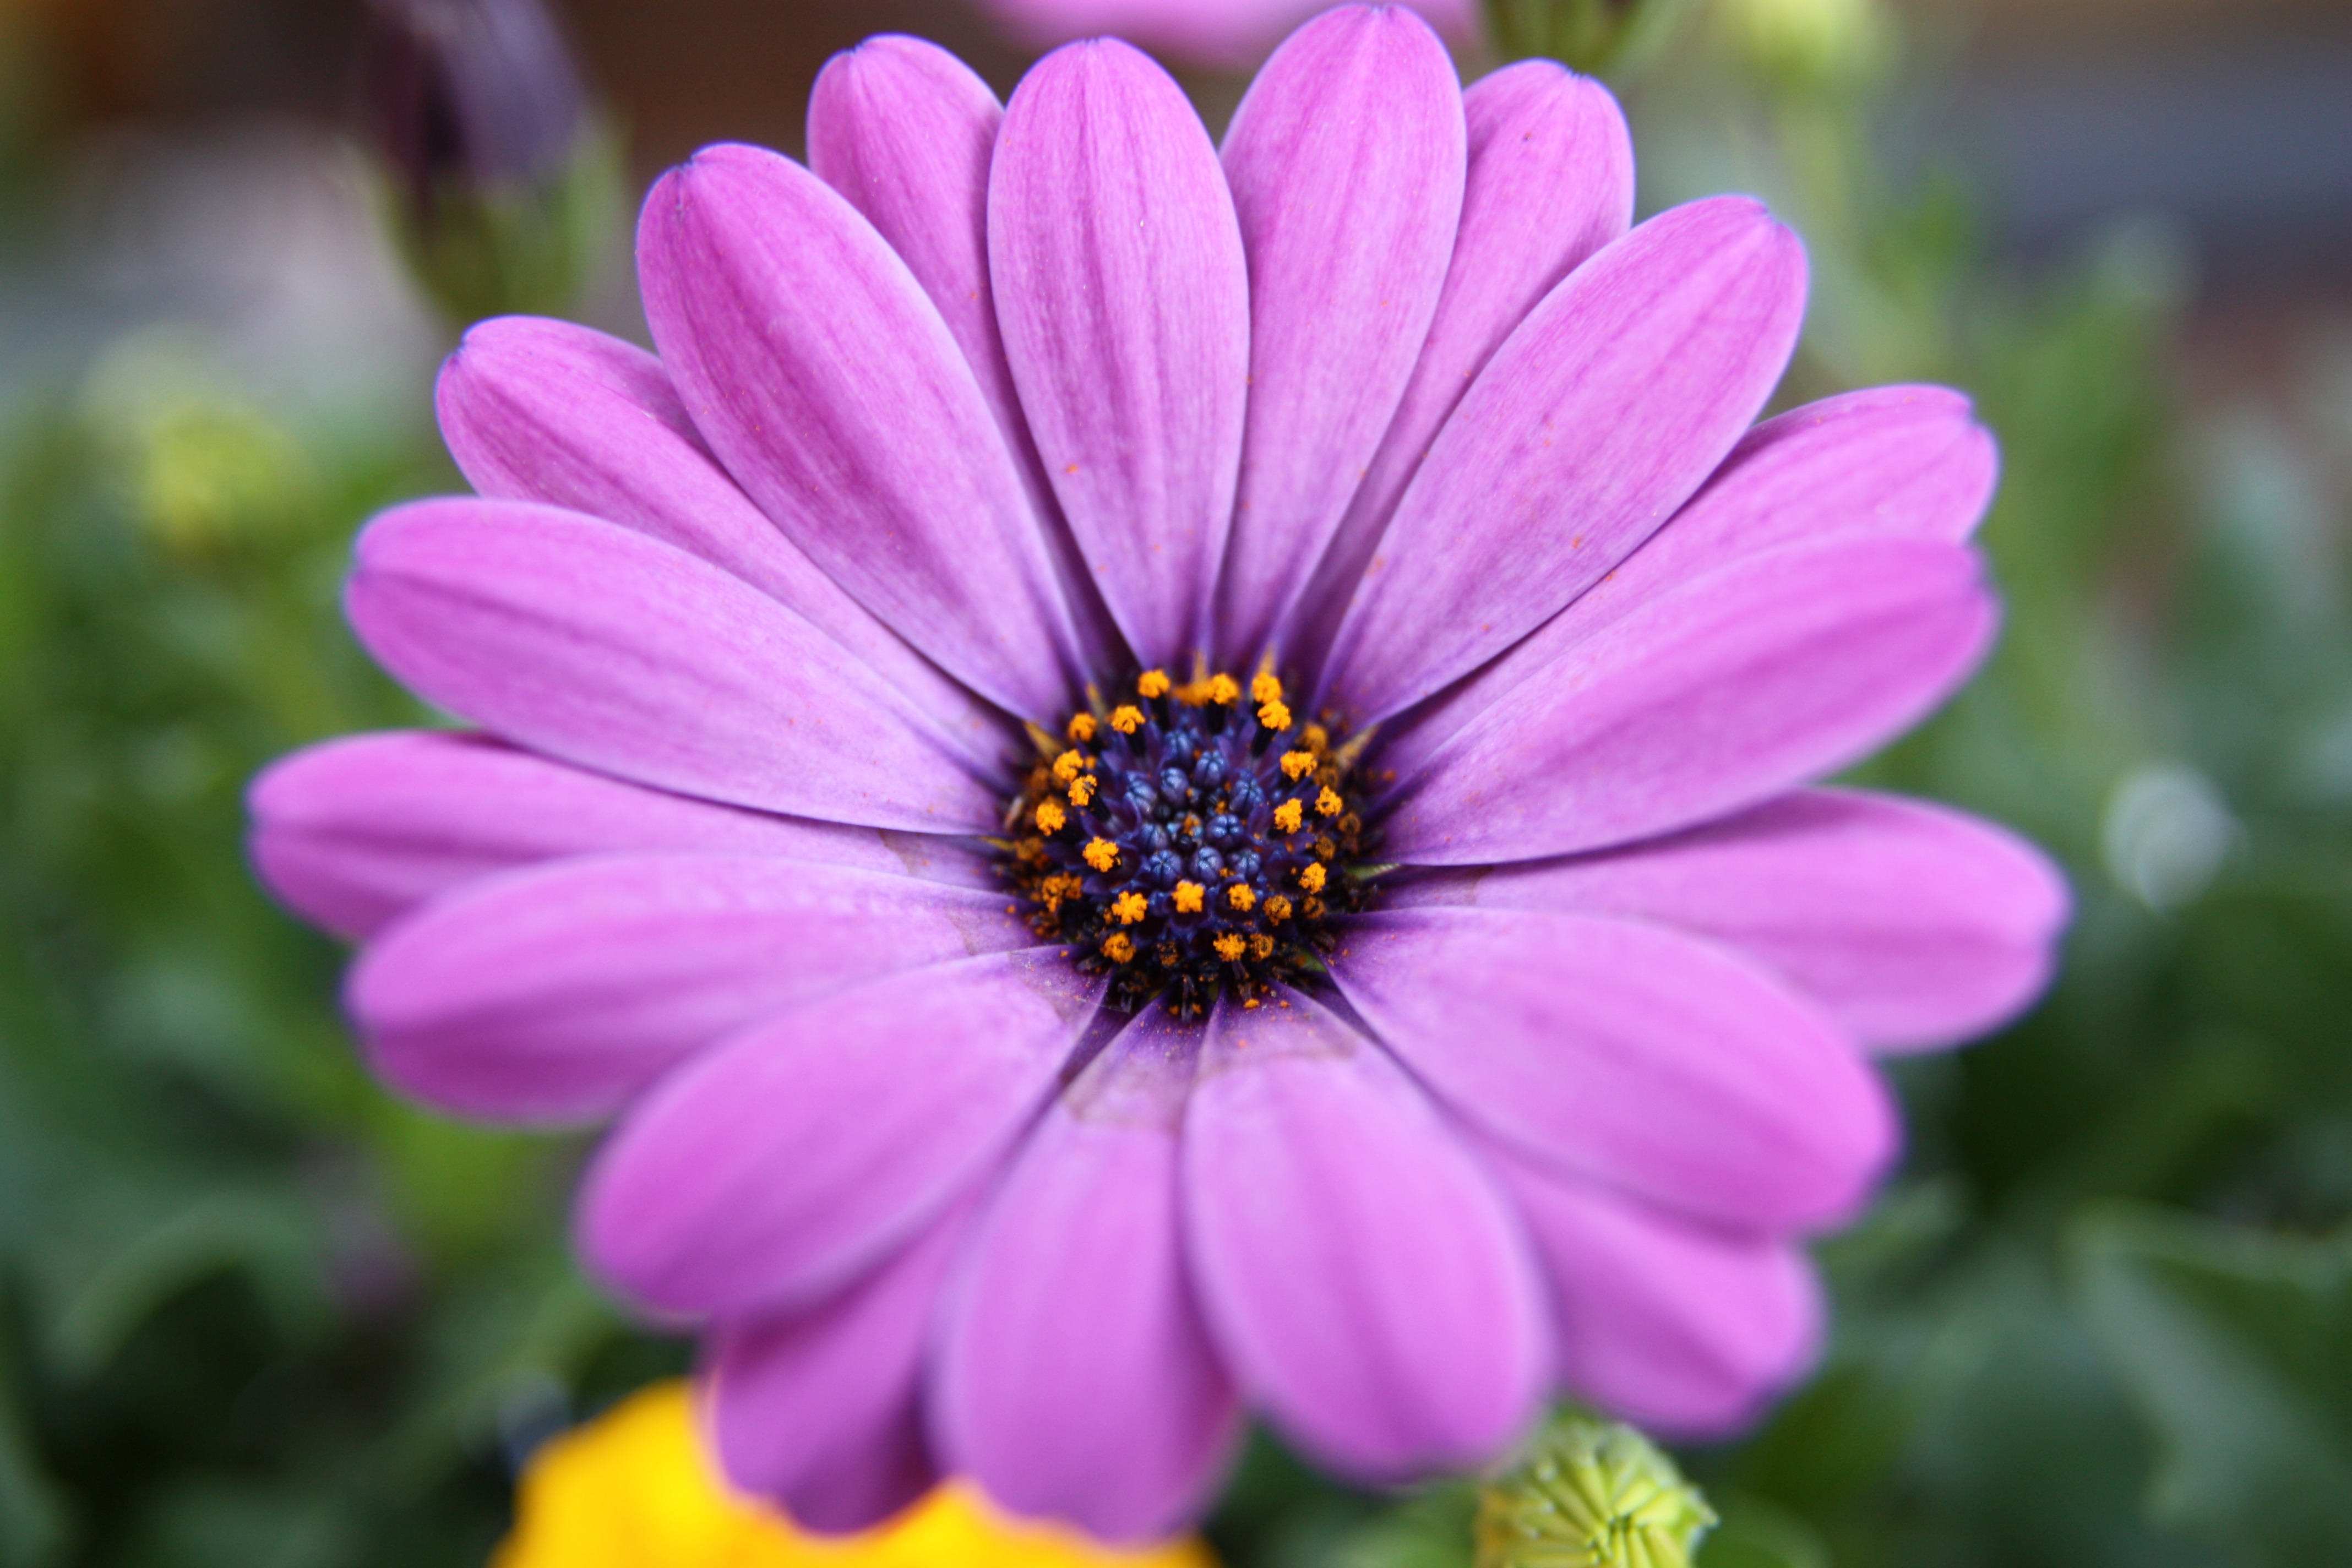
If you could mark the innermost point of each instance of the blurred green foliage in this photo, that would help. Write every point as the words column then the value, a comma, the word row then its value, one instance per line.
column 253, row 1310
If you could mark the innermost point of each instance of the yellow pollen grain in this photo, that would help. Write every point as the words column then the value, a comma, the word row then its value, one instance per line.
column 1313, row 878
column 1153, row 683
column 1126, row 718
column 1051, row 816
column 1260, row 947
column 1313, row 908
column 1329, row 802
column 1189, row 896
column 1289, row 815
column 1325, row 849
column 1082, row 729
column 1277, row 908
column 1297, row 765
column 1242, row 896
column 1101, row 854
column 1119, row 948
column 1082, row 792
column 1274, row 716
column 1316, row 738
column 1069, row 765
column 1129, row 909
column 1265, row 688
column 1230, row 948
column 1223, row 690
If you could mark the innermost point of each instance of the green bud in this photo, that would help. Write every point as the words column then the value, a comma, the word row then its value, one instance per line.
column 1599, row 37
column 501, row 182
column 208, row 472
column 1810, row 45
column 1590, row 1493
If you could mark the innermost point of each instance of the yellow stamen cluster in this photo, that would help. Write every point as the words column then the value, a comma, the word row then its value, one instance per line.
column 1184, row 842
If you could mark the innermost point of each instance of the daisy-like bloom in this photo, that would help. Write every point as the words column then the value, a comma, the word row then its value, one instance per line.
column 1160, row 781
column 1226, row 33
column 636, row 1489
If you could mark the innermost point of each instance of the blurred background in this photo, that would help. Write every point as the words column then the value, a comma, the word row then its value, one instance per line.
column 254, row 1310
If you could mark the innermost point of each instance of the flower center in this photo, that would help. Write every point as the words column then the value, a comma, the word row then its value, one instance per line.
column 1184, row 842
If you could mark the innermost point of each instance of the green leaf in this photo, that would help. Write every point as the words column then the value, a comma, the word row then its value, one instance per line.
column 2237, row 1346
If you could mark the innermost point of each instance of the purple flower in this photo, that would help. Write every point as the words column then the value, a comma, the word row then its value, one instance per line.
column 1029, row 1103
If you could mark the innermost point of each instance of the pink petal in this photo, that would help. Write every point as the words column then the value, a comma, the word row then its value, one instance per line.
column 1599, row 414
column 1124, row 299
column 356, row 832
column 557, row 993
column 1912, row 926
column 1683, row 1331
column 1550, row 182
column 1894, row 461
column 1074, row 1379
column 1776, row 670
column 821, row 1410
column 774, row 1168
column 1366, row 1282
column 904, row 131
column 546, row 411
column 833, row 392
column 607, row 648
column 1628, row 1053
column 1230, row 34
column 1346, row 163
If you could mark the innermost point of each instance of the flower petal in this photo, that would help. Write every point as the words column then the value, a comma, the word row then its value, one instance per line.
column 1776, row 670
column 1346, row 163
column 1628, row 1053
column 904, row 131
column 605, row 648
column 1599, row 414
column 1679, row 1329
column 1895, row 461
column 821, row 1410
column 1368, row 1285
column 1074, row 1378
column 357, row 832
column 833, row 392
column 1550, row 182
column 1124, row 299
column 771, row 1170
column 557, row 994
column 1913, row 927
column 546, row 411
column 1232, row 34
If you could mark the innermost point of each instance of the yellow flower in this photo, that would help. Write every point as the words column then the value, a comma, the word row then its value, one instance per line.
column 634, row 1490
